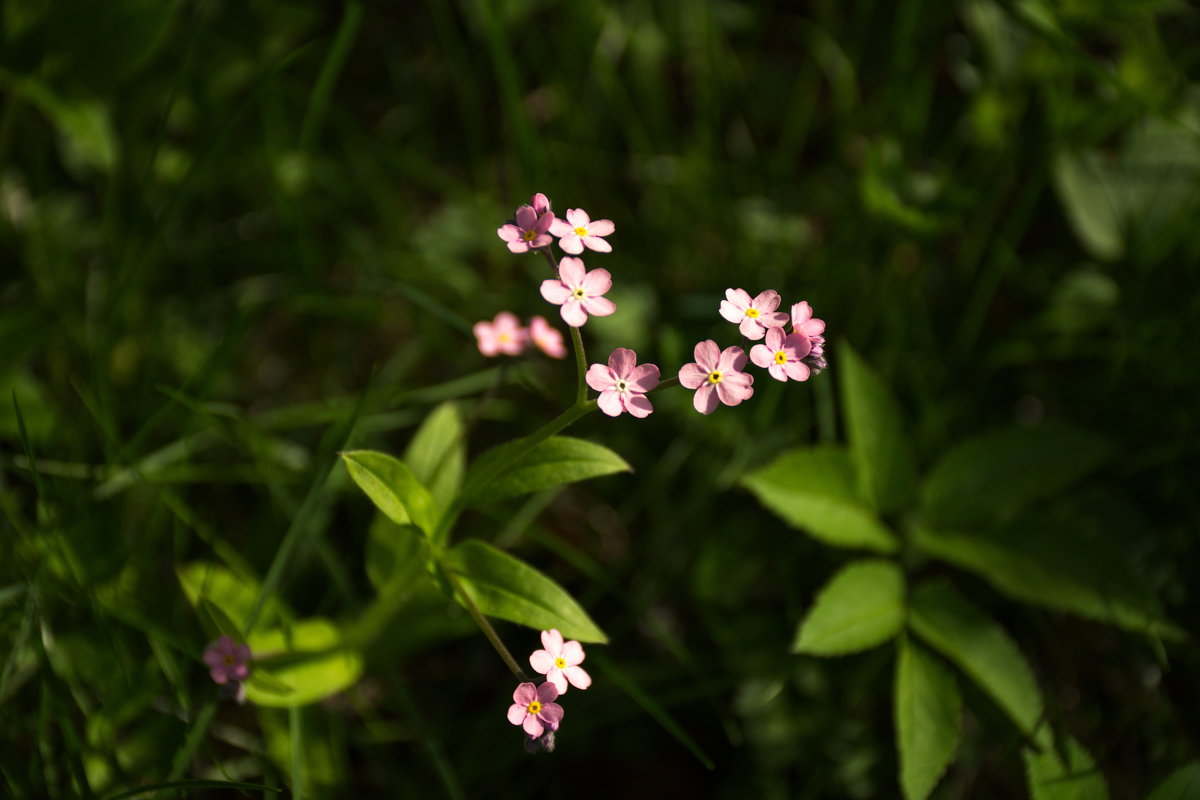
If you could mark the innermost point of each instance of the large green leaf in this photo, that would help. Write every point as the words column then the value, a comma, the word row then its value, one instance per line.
column 1182, row 784
column 1057, row 566
column 507, row 588
column 883, row 461
column 505, row 472
column 813, row 489
column 1071, row 775
column 437, row 454
column 862, row 606
column 395, row 553
column 234, row 595
column 949, row 623
column 302, row 664
column 995, row 476
column 392, row 488
column 928, row 719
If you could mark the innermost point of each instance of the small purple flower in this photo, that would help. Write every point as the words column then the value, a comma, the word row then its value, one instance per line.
column 529, row 232
column 534, row 709
column 228, row 661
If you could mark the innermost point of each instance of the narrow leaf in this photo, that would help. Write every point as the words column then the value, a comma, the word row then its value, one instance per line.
column 949, row 623
column 392, row 488
column 307, row 663
column 504, row 587
column 1183, row 784
column 813, row 489
column 1053, row 778
column 437, row 454
column 861, row 607
column 928, row 719
column 555, row 461
column 883, row 460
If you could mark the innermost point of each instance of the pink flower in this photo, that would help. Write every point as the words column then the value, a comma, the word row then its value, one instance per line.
column 579, row 231
column 579, row 292
column 804, row 324
column 530, row 231
column 534, row 709
column 548, row 339
column 753, row 317
column 560, row 661
column 716, row 375
column 782, row 355
column 227, row 660
column 540, row 203
column 622, row 387
column 502, row 335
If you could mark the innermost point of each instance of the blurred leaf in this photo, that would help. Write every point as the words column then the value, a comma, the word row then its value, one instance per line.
column 1087, row 190
column 506, row 588
column 883, row 461
column 437, row 454
column 233, row 594
column 189, row 784
column 307, row 678
column 813, row 489
column 862, row 606
column 996, row 475
column 1050, row 778
column 392, row 488
column 1054, row 566
column 1182, row 784
column 962, row 633
column 928, row 719
column 84, row 126
column 555, row 461
column 395, row 553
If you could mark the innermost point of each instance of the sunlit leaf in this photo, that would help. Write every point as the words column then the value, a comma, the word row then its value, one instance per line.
column 813, row 489
column 235, row 595
column 1053, row 778
column 555, row 461
column 306, row 678
column 928, row 719
column 1086, row 189
column 862, row 606
column 507, row 588
column 437, row 454
column 392, row 488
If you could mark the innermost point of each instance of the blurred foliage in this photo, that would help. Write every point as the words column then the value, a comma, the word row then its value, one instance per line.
column 238, row 238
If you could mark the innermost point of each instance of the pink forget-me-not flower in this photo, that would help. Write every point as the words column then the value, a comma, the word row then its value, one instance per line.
column 504, row 335
column 783, row 355
column 530, row 232
column 753, row 317
column 579, row 292
column 534, row 709
column 717, row 377
column 805, row 324
column 622, row 387
column 560, row 661
column 228, row 661
column 547, row 338
column 578, row 231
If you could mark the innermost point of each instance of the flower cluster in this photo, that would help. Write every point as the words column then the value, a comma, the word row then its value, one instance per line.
column 505, row 336
column 533, row 707
column 229, row 665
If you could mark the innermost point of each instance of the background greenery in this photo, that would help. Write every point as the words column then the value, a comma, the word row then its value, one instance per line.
column 236, row 238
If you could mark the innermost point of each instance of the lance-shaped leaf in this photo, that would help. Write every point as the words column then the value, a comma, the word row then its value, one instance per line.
column 299, row 664
column 392, row 488
column 812, row 488
column 862, row 606
column 510, row 470
column 995, row 476
column 1069, row 775
column 928, row 719
column 437, row 454
column 883, row 460
column 966, row 636
column 505, row 587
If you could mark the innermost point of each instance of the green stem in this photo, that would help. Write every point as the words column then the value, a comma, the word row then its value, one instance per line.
column 484, row 625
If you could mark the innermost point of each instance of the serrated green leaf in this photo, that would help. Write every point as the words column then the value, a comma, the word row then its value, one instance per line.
column 437, row 454
column 966, row 636
column 1182, row 784
column 883, row 461
column 507, row 588
column 297, row 678
column 813, row 489
column 995, row 476
column 234, row 595
column 862, row 606
column 392, row 487
column 555, row 461
column 928, row 719
column 1051, row 777
column 1054, row 566
column 396, row 554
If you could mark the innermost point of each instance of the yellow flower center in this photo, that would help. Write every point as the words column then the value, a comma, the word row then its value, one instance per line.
column 714, row 377
column 534, row 707
column 752, row 313
column 561, row 663
column 528, row 235
column 780, row 357
column 579, row 293
column 581, row 232
column 503, row 338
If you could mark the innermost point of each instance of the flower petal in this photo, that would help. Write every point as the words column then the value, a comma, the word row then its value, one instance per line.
column 572, row 272
column 596, row 282
column 610, row 403
column 541, row 661
column 691, row 376
column 572, row 653
column 751, row 329
column 777, row 372
column 517, row 713
column 571, row 243
column 732, row 359
column 509, row 232
column 767, row 300
column 645, row 377
column 600, row 306
column 518, row 247
column 547, row 692
column 578, row 218
column 735, row 388
column 533, row 726
column 706, row 354
column 731, row 312
column 597, row 244
column 762, row 356
column 622, row 361
column 600, row 377
column 544, row 221
column 572, row 313
column 578, row 677
column 774, row 319
column 552, row 640
column 797, row 345
column 525, row 693
column 797, row 370
column 601, row 227
column 560, row 228
column 638, row 405
column 740, row 298
column 705, row 399
column 551, row 714
column 555, row 292
column 526, row 217
column 556, row 679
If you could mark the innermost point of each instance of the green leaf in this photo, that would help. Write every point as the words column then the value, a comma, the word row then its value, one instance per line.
column 234, row 595
column 437, row 454
column 962, row 633
column 862, row 606
column 1086, row 189
column 1057, row 566
column 555, row 461
column 882, row 458
column 392, row 488
column 506, row 588
column 396, row 554
column 307, row 664
column 813, row 489
column 928, row 719
column 1183, row 784
column 995, row 476
column 1053, row 777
